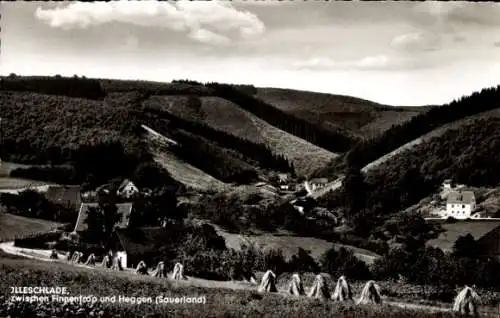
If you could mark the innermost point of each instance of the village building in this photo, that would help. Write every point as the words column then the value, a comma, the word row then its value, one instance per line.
column 447, row 184
column 124, row 209
column 317, row 183
column 127, row 189
column 460, row 204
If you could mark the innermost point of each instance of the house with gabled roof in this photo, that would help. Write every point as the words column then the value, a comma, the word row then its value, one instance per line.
column 127, row 189
column 124, row 209
column 460, row 204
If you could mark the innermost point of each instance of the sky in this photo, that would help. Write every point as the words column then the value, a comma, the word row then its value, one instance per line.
column 397, row 53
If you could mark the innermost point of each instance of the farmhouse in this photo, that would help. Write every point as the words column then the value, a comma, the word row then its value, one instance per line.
column 124, row 209
column 447, row 184
column 460, row 204
column 486, row 233
column 317, row 183
column 127, row 189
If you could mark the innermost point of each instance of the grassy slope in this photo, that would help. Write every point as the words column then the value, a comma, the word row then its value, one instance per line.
column 290, row 244
column 187, row 174
column 7, row 182
column 180, row 170
column 13, row 226
column 223, row 115
column 361, row 117
column 220, row 301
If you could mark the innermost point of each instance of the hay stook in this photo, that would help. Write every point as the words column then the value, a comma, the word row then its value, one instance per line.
column 268, row 283
column 343, row 291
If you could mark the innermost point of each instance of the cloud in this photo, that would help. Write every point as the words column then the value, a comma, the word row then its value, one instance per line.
column 460, row 13
column 206, row 36
column 417, row 41
column 131, row 43
column 376, row 62
column 202, row 21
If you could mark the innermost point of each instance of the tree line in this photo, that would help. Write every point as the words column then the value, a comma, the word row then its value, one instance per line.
column 57, row 85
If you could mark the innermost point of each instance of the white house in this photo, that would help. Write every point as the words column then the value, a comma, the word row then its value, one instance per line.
column 317, row 183
column 460, row 204
column 127, row 189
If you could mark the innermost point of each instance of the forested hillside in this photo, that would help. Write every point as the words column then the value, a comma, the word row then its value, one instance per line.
column 87, row 130
column 468, row 154
column 369, row 150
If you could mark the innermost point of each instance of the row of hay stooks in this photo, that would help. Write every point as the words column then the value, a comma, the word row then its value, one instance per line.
column 466, row 302
column 114, row 262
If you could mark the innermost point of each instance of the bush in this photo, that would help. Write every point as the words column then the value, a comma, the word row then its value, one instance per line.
column 37, row 241
column 343, row 262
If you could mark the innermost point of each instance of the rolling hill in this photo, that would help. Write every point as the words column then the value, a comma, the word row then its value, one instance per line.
column 358, row 117
column 224, row 115
column 240, row 136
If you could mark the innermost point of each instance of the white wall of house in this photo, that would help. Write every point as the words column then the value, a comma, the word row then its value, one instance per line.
column 459, row 210
column 123, row 257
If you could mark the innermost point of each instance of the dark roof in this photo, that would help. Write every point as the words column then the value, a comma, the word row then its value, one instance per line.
column 136, row 241
column 460, row 197
column 477, row 229
column 125, row 209
column 64, row 195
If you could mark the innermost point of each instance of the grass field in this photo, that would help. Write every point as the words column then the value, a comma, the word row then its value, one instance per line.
column 14, row 226
column 187, row 174
column 180, row 170
column 7, row 182
column 290, row 244
column 7, row 167
column 219, row 302
column 223, row 115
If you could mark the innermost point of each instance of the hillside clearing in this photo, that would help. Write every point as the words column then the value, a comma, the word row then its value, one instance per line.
column 14, row 226
column 187, row 174
column 226, row 116
column 180, row 170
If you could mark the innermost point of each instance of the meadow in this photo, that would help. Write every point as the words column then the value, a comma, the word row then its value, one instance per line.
column 219, row 302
